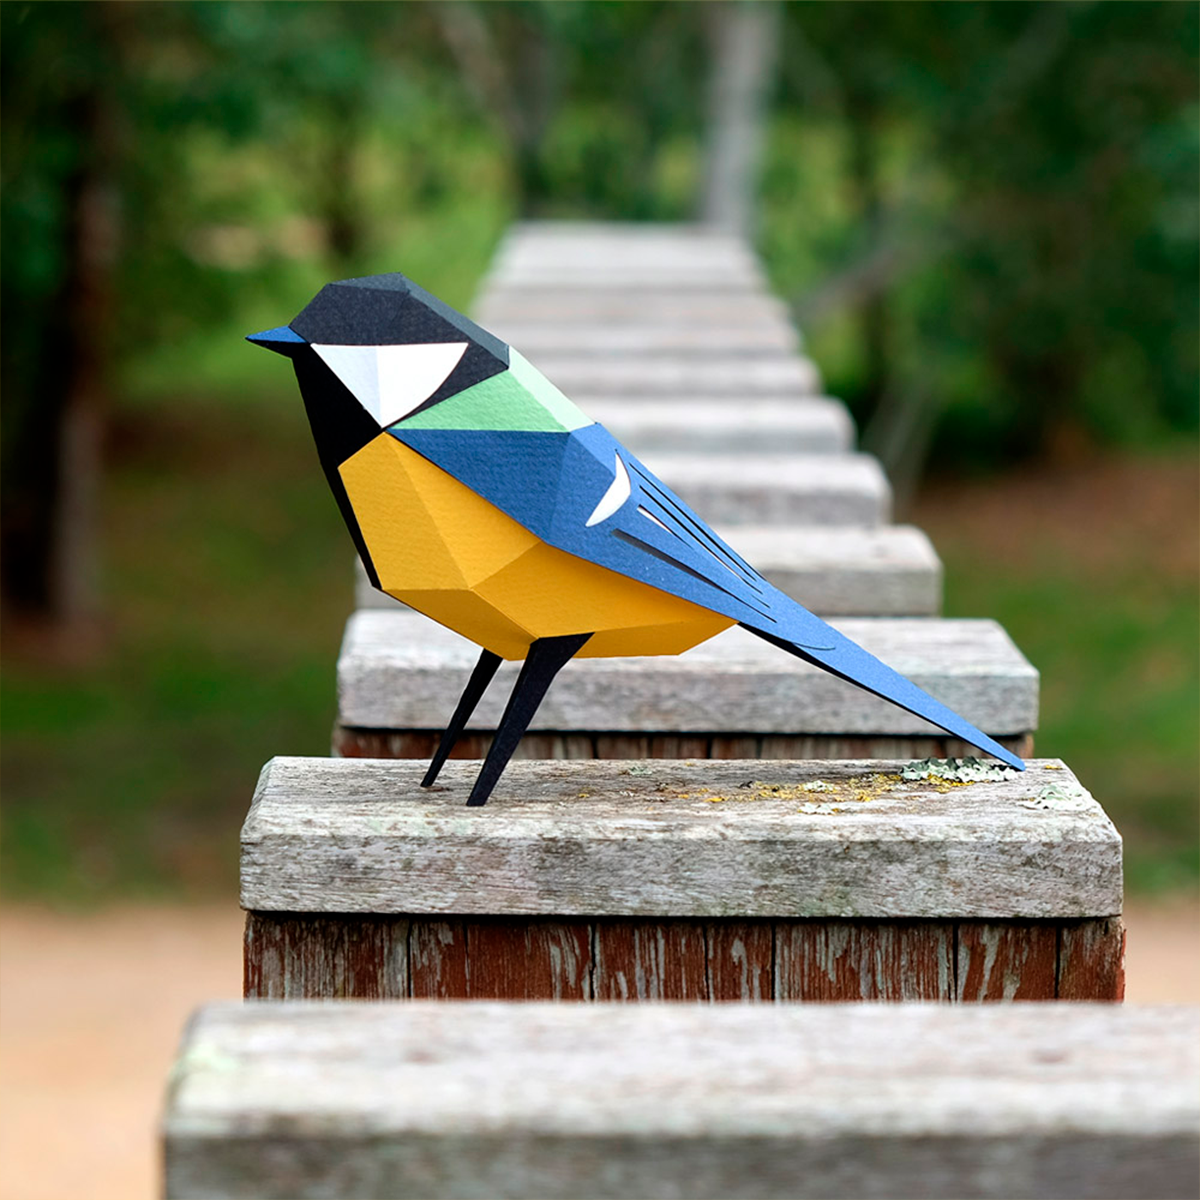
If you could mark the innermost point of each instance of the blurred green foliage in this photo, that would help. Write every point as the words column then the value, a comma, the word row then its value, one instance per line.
column 1100, row 594
column 1008, row 220
column 985, row 214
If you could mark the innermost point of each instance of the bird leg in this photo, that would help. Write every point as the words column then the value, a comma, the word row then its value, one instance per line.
column 485, row 670
column 547, row 656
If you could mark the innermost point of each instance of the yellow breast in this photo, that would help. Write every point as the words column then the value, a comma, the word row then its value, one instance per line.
column 448, row 553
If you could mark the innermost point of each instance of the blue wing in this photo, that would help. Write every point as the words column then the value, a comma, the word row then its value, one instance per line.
column 552, row 483
column 584, row 493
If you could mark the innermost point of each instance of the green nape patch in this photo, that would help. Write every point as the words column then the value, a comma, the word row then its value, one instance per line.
column 519, row 400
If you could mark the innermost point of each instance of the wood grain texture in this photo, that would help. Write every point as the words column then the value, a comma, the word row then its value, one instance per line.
column 741, row 960
column 651, row 960
column 302, row 956
column 1008, row 961
column 734, row 378
column 500, row 960
column 580, row 245
column 791, row 839
column 662, row 307
column 777, row 489
column 437, row 957
column 420, row 744
column 818, row 746
column 667, row 746
column 621, row 272
column 648, row 425
column 620, row 284
column 638, row 339
column 298, row 957
column 438, row 1099
column 843, row 960
column 397, row 670
column 1091, row 960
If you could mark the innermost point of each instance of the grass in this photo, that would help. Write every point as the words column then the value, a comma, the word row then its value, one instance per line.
column 228, row 584
column 227, row 568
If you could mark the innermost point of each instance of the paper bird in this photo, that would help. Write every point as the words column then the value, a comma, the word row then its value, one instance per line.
column 478, row 494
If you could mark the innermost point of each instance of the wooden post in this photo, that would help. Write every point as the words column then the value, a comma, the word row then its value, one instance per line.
column 400, row 675
column 651, row 425
column 533, row 1100
column 673, row 880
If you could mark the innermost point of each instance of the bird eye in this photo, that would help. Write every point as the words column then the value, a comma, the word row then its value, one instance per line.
column 391, row 381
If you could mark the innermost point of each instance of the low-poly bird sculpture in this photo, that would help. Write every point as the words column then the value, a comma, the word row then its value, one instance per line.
column 478, row 494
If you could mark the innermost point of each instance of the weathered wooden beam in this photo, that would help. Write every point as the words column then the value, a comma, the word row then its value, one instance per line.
column 358, row 742
column 723, row 277
column 678, row 839
column 399, row 672
column 553, row 1100
column 557, row 268
column 623, row 262
column 646, row 339
column 651, row 307
column 572, row 240
column 779, row 489
column 590, row 257
column 812, row 425
column 369, row 956
column 886, row 571
column 733, row 379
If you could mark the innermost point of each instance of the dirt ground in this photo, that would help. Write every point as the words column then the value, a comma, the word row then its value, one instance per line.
column 91, row 1010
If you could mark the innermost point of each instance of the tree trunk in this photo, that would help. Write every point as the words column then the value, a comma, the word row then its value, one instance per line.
column 51, row 546
column 88, row 302
column 519, row 98
column 743, row 39
column 341, row 212
column 873, row 307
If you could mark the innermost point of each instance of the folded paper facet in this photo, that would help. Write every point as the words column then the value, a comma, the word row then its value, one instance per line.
column 480, row 495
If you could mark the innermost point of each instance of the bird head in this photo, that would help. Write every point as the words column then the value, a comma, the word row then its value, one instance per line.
column 373, row 351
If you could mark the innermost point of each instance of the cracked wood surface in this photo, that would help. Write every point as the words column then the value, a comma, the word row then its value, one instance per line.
column 777, row 489
column 650, row 425
column 364, row 956
column 437, row 1099
column 835, row 839
column 397, row 670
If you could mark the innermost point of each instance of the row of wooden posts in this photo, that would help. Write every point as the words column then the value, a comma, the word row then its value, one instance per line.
column 823, row 860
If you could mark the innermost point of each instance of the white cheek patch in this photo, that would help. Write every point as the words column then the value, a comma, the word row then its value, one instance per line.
column 618, row 492
column 390, row 381
column 355, row 367
column 409, row 375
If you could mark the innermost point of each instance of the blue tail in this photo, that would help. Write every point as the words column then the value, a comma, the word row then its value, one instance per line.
column 811, row 639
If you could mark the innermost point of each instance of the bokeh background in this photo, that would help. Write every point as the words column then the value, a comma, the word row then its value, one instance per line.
column 984, row 216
